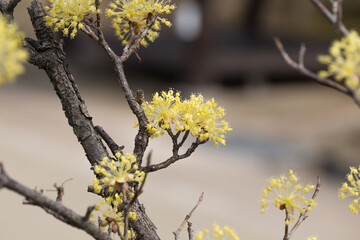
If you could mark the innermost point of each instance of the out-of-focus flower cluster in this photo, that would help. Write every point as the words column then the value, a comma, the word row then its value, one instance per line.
column 110, row 219
column 130, row 18
column 12, row 53
column 201, row 118
column 287, row 194
column 224, row 233
column 66, row 15
column 312, row 238
column 115, row 176
column 352, row 189
column 344, row 61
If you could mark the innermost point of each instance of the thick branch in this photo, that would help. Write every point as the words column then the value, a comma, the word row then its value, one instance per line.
column 47, row 54
column 52, row 207
column 8, row 8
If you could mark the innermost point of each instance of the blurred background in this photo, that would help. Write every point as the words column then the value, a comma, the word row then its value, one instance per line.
column 224, row 50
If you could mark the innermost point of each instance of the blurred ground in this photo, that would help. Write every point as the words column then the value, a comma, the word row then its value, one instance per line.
column 306, row 127
column 278, row 123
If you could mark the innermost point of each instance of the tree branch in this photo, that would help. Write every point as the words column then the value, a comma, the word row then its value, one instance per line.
column 174, row 158
column 47, row 54
column 52, row 207
column 335, row 17
column 187, row 219
column 109, row 141
column 302, row 69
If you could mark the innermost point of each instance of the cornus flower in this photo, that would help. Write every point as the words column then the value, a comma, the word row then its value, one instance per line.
column 130, row 18
column 287, row 194
column 224, row 233
column 202, row 119
column 344, row 61
column 12, row 53
column 162, row 111
column 352, row 189
column 110, row 219
column 66, row 15
column 116, row 176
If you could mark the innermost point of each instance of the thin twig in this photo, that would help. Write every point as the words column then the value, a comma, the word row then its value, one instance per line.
column 333, row 18
column 188, row 217
column 60, row 190
column 174, row 158
column 304, row 215
column 302, row 69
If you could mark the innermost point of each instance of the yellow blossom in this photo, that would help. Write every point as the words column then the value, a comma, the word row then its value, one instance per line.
column 201, row 118
column 12, row 53
column 130, row 18
column 161, row 111
column 66, row 15
column 312, row 238
column 224, row 233
column 287, row 194
column 343, row 61
column 115, row 176
column 351, row 188
column 108, row 216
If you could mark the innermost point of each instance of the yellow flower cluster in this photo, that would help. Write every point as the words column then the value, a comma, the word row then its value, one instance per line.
column 201, row 119
column 344, row 61
column 12, row 53
column 116, row 176
column 66, row 15
column 109, row 217
column 130, row 18
column 225, row 233
column 352, row 189
column 287, row 195
column 312, row 238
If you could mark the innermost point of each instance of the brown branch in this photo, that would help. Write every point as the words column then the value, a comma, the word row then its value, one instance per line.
column 142, row 138
column 109, row 141
column 47, row 54
column 7, row 8
column 302, row 69
column 52, row 207
column 335, row 17
column 190, row 231
column 188, row 217
column 174, row 158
